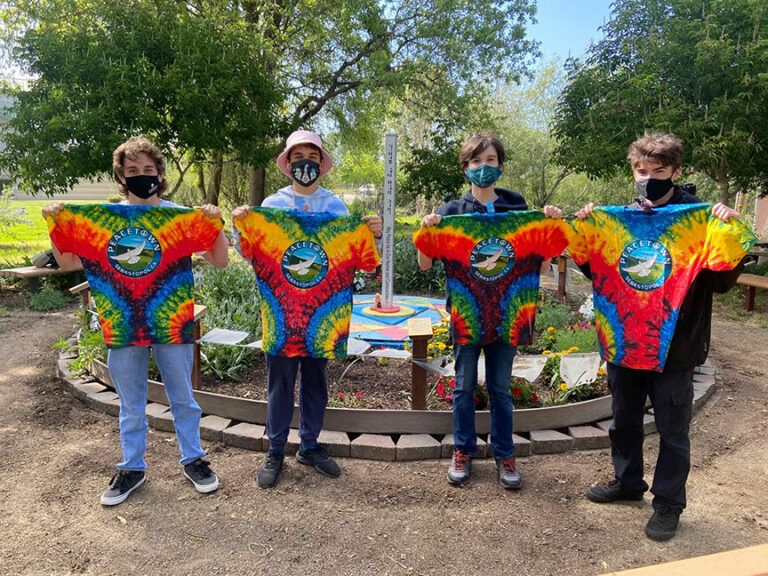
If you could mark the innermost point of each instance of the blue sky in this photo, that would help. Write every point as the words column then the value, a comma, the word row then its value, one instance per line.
column 568, row 26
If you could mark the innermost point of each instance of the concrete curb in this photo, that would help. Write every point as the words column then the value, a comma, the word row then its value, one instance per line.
column 374, row 446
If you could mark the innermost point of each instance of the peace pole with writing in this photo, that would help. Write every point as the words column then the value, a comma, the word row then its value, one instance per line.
column 388, row 222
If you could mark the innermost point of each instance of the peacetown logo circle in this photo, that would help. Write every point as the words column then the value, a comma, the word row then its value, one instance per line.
column 645, row 265
column 491, row 259
column 304, row 264
column 134, row 252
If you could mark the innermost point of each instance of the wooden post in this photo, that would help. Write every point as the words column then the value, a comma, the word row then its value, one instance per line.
column 84, row 289
column 197, row 374
column 420, row 332
column 562, row 269
column 749, row 303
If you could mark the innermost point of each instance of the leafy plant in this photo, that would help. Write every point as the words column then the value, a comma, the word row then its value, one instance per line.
column 409, row 278
column 47, row 299
column 90, row 347
column 233, row 303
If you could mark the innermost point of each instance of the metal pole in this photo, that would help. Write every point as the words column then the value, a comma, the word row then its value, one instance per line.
column 388, row 218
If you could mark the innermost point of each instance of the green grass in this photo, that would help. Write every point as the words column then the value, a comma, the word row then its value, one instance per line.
column 22, row 241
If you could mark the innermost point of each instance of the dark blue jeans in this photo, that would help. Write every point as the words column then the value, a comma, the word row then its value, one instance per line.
column 671, row 395
column 498, row 375
column 313, row 397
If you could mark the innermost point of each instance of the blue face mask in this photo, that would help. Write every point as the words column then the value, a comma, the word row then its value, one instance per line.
column 483, row 176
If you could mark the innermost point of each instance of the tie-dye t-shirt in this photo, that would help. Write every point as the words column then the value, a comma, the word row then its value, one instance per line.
column 492, row 264
column 305, row 269
column 642, row 265
column 137, row 261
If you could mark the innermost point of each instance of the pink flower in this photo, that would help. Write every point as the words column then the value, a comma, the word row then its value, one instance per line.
column 340, row 394
column 534, row 397
column 441, row 389
column 516, row 392
column 358, row 394
column 452, row 383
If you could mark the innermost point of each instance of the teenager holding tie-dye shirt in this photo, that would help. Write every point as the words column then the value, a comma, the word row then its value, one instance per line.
column 136, row 257
column 304, row 263
column 654, row 267
column 492, row 264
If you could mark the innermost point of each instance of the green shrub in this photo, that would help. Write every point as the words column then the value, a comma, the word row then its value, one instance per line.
column 409, row 278
column 233, row 303
column 47, row 299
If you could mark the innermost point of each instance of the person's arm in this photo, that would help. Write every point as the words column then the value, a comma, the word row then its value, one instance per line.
column 425, row 262
column 218, row 255
column 237, row 213
column 67, row 261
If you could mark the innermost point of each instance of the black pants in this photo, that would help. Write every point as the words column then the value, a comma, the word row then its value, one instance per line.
column 671, row 395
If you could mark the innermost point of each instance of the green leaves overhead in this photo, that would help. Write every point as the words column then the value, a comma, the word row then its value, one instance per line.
column 699, row 69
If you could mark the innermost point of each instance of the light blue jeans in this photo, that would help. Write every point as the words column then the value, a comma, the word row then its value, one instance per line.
column 498, row 372
column 128, row 368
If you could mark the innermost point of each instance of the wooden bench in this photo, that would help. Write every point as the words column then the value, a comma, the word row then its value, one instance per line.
column 84, row 290
column 752, row 281
column 32, row 274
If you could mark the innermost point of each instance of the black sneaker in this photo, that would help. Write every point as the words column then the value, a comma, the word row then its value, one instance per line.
column 662, row 525
column 612, row 492
column 269, row 473
column 121, row 486
column 318, row 458
column 201, row 475
column 461, row 466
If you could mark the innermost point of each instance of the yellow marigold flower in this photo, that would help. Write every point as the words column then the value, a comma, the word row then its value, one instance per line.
column 564, row 352
column 446, row 319
column 563, row 386
column 551, row 329
column 430, row 346
column 547, row 352
column 573, row 348
column 441, row 345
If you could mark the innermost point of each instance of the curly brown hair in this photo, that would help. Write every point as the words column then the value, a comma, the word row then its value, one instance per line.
column 131, row 148
column 665, row 148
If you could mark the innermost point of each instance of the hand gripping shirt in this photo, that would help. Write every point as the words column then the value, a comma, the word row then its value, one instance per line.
column 138, row 263
column 492, row 264
column 643, row 264
column 305, row 268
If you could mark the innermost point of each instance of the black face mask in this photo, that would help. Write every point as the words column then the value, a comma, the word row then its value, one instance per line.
column 305, row 172
column 654, row 189
column 144, row 185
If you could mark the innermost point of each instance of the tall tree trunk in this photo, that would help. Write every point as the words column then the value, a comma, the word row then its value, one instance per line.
column 201, row 180
column 214, row 184
column 256, row 183
column 724, row 185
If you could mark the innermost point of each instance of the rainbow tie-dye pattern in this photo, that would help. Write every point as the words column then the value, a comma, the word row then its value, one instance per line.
column 492, row 264
column 305, row 268
column 643, row 264
column 137, row 261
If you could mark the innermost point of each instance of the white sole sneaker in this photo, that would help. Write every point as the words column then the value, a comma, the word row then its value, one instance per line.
column 120, row 498
column 205, row 488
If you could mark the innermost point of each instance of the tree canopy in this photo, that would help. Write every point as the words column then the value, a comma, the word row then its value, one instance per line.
column 226, row 80
column 698, row 69
column 105, row 71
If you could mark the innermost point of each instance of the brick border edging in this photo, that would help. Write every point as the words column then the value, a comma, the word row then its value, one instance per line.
column 386, row 447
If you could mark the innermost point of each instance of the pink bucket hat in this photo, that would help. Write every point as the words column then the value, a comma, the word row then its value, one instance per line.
column 304, row 137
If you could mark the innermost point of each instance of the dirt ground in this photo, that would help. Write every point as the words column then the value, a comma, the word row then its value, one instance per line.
column 377, row 518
